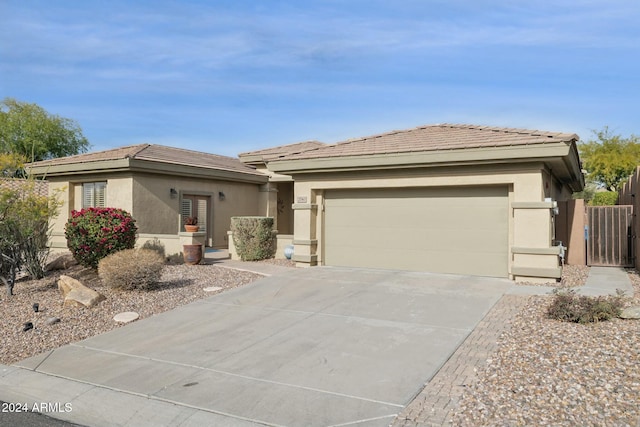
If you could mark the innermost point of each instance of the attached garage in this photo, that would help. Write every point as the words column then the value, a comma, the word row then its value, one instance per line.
column 457, row 199
column 462, row 230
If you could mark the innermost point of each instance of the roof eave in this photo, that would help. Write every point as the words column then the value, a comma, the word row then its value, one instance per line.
column 251, row 159
column 78, row 168
column 197, row 172
column 137, row 165
column 420, row 159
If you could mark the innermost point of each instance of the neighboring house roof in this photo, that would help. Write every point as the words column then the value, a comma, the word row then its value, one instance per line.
column 432, row 138
column 41, row 187
column 155, row 157
column 264, row 155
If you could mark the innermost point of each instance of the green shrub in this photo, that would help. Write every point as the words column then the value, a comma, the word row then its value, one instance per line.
column 131, row 269
column 569, row 307
column 94, row 233
column 253, row 237
column 604, row 198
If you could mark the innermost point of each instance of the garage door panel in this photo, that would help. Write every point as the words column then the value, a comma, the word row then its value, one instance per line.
column 449, row 230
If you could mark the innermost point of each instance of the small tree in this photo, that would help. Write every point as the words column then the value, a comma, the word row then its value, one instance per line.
column 30, row 131
column 610, row 159
column 24, row 230
column 94, row 233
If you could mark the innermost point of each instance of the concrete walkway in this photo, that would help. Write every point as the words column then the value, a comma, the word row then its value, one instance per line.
column 221, row 258
column 201, row 364
column 602, row 281
column 606, row 281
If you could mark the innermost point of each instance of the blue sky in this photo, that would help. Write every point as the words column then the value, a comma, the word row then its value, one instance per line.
column 238, row 75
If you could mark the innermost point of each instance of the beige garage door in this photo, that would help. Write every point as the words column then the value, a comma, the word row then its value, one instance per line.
column 441, row 230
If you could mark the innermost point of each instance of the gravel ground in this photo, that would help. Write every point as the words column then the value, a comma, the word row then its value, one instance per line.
column 551, row 373
column 572, row 275
column 180, row 284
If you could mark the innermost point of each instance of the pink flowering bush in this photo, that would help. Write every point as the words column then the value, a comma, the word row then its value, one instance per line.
column 94, row 233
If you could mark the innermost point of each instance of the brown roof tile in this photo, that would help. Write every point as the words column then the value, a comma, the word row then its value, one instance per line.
column 435, row 138
column 159, row 154
column 284, row 150
column 16, row 184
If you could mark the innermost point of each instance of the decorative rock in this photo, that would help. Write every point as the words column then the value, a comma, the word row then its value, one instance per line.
column 212, row 288
column 52, row 320
column 630, row 313
column 75, row 293
column 126, row 317
column 61, row 263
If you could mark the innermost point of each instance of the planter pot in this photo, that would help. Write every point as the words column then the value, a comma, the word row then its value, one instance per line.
column 192, row 254
column 191, row 228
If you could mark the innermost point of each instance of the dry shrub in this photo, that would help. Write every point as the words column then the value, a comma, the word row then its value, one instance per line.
column 131, row 269
column 567, row 306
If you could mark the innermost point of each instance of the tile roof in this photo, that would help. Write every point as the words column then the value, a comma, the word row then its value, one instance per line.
column 41, row 187
column 284, row 150
column 156, row 153
column 434, row 138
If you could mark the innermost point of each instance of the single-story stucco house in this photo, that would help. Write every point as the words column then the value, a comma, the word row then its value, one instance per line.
column 441, row 198
column 160, row 186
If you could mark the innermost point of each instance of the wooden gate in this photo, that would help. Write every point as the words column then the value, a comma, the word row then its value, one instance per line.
column 610, row 235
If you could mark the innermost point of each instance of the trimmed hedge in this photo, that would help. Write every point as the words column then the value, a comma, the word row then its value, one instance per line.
column 253, row 237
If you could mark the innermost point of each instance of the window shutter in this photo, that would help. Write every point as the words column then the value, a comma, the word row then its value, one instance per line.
column 202, row 214
column 94, row 195
column 87, row 195
column 100, row 194
column 186, row 207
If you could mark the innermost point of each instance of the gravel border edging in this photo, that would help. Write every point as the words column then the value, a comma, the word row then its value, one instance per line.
column 434, row 405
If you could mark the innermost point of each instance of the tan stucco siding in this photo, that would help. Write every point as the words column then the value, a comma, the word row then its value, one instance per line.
column 70, row 194
column 147, row 198
column 157, row 212
column 524, row 183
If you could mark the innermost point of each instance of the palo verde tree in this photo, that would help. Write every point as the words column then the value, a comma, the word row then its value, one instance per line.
column 609, row 159
column 24, row 231
column 29, row 133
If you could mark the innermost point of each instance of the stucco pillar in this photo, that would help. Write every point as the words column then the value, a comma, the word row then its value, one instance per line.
column 305, row 213
column 66, row 193
column 534, row 257
column 268, row 201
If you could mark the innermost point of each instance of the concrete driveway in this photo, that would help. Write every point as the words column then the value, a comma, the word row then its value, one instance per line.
column 313, row 347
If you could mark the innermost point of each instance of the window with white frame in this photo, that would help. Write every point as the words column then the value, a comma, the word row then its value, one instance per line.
column 94, row 194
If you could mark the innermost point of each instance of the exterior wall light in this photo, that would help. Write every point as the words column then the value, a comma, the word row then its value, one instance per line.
column 221, row 195
column 173, row 193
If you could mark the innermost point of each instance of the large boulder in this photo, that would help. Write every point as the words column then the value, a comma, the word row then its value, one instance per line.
column 77, row 294
column 61, row 263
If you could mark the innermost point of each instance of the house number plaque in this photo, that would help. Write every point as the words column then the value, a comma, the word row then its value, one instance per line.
column 301, row 199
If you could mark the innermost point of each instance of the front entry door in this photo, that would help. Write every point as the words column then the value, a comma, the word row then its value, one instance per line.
column 197, row 206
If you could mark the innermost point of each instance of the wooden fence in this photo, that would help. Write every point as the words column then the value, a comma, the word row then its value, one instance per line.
column 610, row 236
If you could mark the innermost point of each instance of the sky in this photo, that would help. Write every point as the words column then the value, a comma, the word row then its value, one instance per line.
column 230, row 76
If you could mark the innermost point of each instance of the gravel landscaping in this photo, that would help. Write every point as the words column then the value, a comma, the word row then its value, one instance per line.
column 551, row 373
column 180, row 284
column 544, row 372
